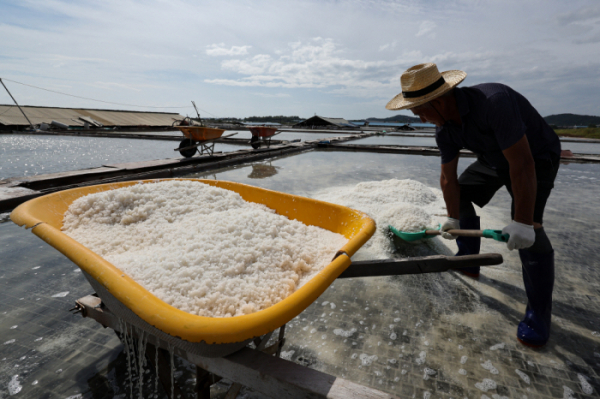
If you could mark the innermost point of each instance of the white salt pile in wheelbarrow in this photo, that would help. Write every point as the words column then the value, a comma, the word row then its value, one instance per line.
column 199, row 248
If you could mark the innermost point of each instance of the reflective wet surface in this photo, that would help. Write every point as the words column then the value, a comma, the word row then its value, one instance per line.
column 396, row 140
column 582, row 148
column 26, row 155
column 291, row 135
column 424, row 336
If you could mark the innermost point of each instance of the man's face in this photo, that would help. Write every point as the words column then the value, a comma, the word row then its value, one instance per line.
column 428, row 113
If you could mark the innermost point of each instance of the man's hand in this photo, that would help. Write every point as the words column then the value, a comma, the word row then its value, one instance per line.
column 521, row 235
column 450, row 224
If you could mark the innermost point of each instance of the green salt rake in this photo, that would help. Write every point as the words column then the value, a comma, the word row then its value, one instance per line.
column 429, row 233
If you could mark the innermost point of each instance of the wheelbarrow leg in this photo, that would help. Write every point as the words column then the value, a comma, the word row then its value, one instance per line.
column 204, row 380
column 281, row 340
column 164, row 369
column 260, row 343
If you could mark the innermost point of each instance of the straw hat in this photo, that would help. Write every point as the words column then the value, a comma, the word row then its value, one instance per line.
column 423, row 83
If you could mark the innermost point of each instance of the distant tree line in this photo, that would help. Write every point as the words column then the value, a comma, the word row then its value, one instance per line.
column 572, row 120
column 284, row 120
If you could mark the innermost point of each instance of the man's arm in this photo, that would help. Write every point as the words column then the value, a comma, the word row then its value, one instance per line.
column 451, row 188
column 523, row 179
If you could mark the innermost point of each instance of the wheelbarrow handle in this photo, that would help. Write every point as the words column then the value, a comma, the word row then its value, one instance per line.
column 493, row 234
column 418, row 265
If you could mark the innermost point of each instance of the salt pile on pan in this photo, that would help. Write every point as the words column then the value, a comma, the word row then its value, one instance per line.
column 405, row 204
column 199, row 248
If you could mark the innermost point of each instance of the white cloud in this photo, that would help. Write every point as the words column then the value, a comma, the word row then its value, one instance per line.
column 388, row 46
column 317, row 64
column 216, row 50
column 425, row 28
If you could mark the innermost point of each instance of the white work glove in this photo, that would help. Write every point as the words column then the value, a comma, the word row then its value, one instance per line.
column 450, row 224
column 521, row 235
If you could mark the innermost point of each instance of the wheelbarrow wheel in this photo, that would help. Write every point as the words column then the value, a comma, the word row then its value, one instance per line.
column 188, row 153
column 255, row 142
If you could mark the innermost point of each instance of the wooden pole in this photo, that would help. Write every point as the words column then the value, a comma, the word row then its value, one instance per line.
column 11, row 96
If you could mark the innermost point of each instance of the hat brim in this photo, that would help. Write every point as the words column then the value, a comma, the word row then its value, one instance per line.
column 452, row 78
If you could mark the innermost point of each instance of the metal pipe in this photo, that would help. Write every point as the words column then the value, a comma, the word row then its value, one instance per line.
column 11, row 96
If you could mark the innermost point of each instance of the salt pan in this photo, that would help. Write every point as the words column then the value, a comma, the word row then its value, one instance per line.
column 199, row 248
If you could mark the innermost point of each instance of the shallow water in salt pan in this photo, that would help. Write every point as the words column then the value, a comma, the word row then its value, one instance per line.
column 437, row 319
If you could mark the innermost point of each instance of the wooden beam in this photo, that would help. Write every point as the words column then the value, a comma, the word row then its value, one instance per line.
column 283, row 379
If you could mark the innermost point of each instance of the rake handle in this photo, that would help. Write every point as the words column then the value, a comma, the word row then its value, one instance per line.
column 461, row 233
column 493, row 234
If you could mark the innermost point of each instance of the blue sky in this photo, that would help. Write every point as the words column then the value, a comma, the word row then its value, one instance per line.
column 332, row 58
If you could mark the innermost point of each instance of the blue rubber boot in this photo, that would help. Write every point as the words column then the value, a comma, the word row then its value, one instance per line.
column 538, row 276
column 469, row 245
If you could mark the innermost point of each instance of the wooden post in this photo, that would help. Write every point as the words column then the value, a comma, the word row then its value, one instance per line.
column 11, row 96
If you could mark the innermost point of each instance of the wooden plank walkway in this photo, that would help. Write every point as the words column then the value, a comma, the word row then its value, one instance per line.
column 434, row 151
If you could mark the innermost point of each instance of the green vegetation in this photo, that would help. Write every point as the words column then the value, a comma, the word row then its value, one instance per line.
column 284, row 120
column 588, row 132
column 396, row 118
column 569, row 120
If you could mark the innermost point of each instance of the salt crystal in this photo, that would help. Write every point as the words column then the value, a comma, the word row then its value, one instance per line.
column 486, row 385
column 490, row 367
column 428, row 372
column 14, row 387
column 344, row 333
column 585, row 385
column 568, row 393
column 523, row 376
column 199, row 248
column 367, row 360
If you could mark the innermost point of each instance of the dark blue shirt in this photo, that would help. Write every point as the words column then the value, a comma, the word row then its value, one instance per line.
column 494, row 117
